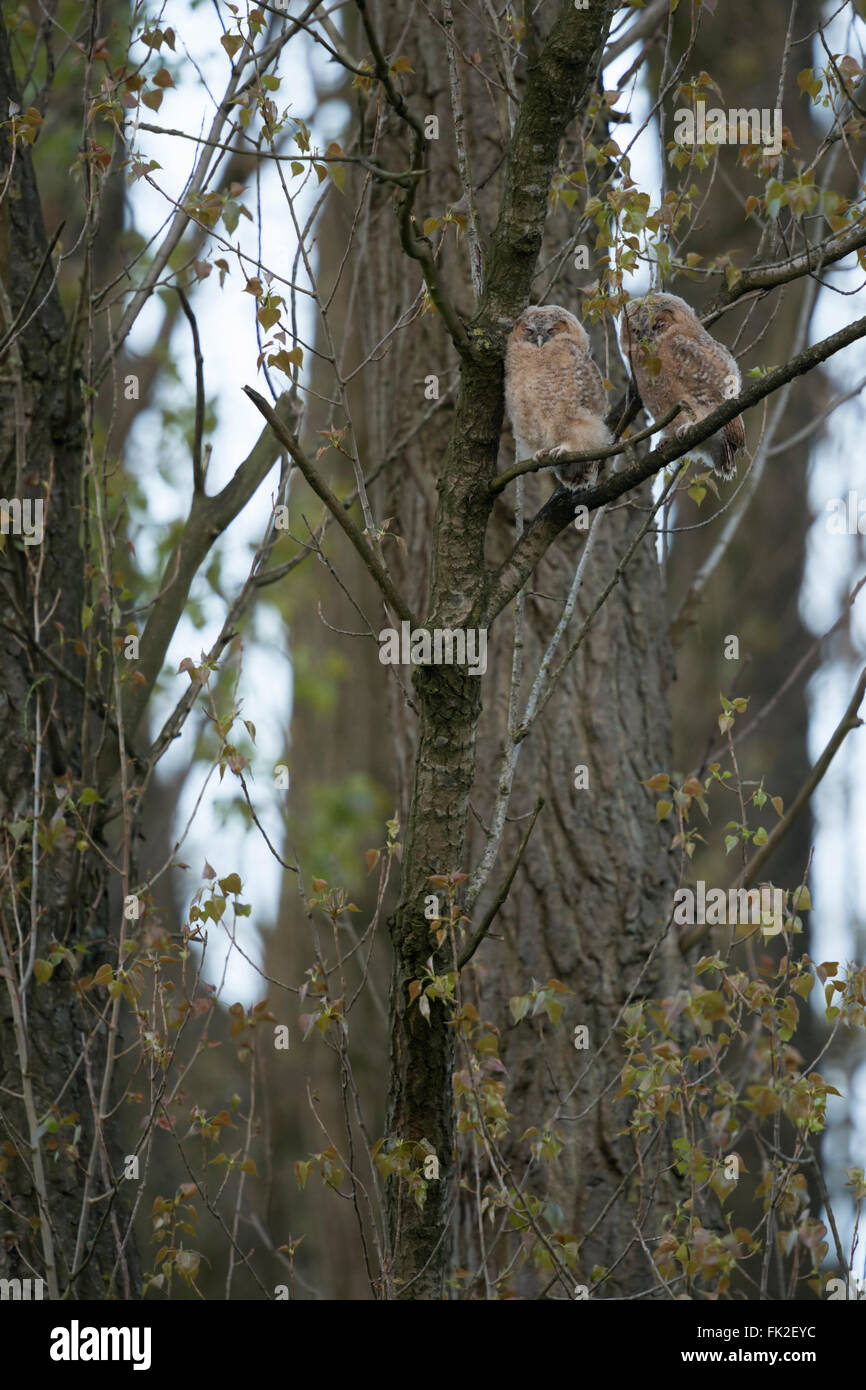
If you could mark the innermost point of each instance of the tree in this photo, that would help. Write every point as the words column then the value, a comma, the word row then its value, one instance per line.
column 485, row 164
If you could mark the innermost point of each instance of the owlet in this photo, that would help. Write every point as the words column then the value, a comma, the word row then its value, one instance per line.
column 673, row 358
column 553, row 391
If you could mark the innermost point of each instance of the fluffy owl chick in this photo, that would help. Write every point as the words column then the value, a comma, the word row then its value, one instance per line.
column 673, row 358
column 553, row 391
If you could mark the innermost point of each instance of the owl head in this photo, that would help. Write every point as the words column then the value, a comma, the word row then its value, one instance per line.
column 653, row 314
column 539, row 323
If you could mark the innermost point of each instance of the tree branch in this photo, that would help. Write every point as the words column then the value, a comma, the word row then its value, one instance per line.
column 532, row 465
column 558, row 80
column 208, row 518
column 504, row 889
column 416, row 248
column 765, row 277
column 198, row 180
column 371, row 561
column 556, row 514
column 848, row 722
column 197, row 471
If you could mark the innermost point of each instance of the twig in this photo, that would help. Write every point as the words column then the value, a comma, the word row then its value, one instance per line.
column 849, row 721
column 10, row 332
column 417, row 248
column 332, row 502
column 197, row 471
column 478, row 936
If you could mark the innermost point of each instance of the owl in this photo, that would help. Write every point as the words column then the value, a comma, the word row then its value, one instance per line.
column 553, row 391
column 689, row 366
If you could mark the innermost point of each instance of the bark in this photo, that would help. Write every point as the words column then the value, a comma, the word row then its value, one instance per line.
column 449, row 700
column 593, row 892
column 41, row 448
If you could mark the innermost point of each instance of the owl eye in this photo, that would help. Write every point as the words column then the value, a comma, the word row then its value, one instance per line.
column 559, row 327
column 660, row 320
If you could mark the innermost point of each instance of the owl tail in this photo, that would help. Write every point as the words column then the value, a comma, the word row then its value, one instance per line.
column 723, row 447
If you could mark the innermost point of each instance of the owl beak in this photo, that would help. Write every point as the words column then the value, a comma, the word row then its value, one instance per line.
column 539, row 339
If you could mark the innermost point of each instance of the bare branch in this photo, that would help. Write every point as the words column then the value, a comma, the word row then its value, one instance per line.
column 208, row 518
column 487, row 921
column 197, row 471
column 371, row 561
column 849, row 721
column 417, row 248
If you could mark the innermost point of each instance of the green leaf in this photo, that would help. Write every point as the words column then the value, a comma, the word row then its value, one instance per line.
column 554, row 1010
column 231, row 883
column 231, row 43
column 89, row 796
column 42, row 970
column 519, row 1006
column 337, row 171
column 663, row 808
column 269, row 313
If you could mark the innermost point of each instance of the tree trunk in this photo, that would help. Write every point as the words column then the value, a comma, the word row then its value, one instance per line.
column 52, row 1060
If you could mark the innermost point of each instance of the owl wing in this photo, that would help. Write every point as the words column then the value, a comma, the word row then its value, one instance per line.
column 589, row 384
column 699, row 368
